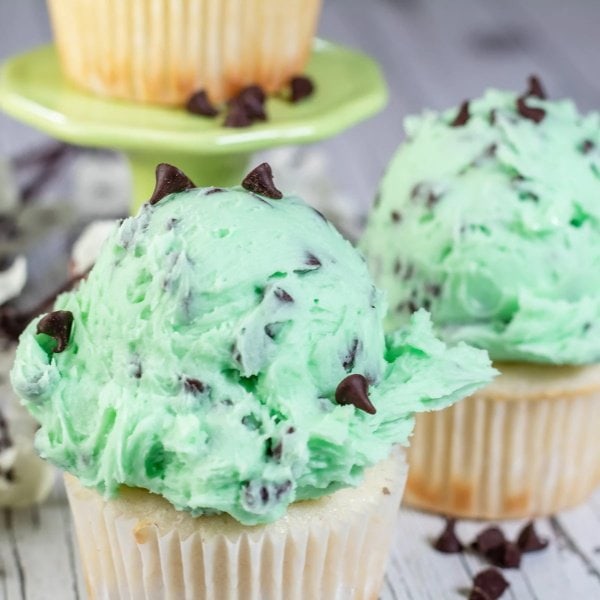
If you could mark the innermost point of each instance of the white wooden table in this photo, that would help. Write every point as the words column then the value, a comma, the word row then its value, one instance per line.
column 435, row 53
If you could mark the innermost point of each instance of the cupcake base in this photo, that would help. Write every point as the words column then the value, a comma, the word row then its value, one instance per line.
column 526, row 445
column 139, row 547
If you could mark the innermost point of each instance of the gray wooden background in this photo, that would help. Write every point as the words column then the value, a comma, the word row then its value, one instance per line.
column 434, row 53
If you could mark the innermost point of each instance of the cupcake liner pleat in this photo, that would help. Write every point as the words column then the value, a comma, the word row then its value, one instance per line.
column 161, row 51
column 334, row 548
column 500, row 457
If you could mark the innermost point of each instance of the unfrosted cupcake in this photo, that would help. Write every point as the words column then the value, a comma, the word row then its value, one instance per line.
column 489, row 217
column 221, row 391
column 163, row 51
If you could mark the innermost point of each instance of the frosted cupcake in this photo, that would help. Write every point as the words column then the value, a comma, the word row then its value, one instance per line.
column 164, row 51
column 222, row 394
column 488, row 216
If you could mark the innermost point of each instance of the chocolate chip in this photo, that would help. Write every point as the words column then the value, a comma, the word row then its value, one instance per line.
column 348, row 362
column 463, row 115
column 587, row 146
column 200, row 104
column 237, row 115
column 354, row 390
column 260, row 181
column 272, row 330
column 282, row 295
column 253, row 98
column 396, row 216
column 301, row 87
column 491, row 582
column 529, row 112
column 432, row 200
column 169, row 180
column 448, row 542
column 193, row 386
column 136, row 371
column 507, row 556
column 312, row 260
column 274, row 449
column 529, row 541
column 488, row 539
column 215, row 190
column 282, row 488
column 477, row 594
column 535, row 88
column 397, row 266
column 57, row 325
column 435, row 289
column 5, row 437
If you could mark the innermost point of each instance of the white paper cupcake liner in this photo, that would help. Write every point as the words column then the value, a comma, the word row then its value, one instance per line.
column 137, row 547
column 162, row 51
column 526, row 445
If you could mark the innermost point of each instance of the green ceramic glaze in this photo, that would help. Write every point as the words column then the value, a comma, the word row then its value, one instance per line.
column 350, row 88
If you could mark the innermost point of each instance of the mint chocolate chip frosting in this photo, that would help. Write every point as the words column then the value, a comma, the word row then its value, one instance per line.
column 209, row 356
column 489, row 216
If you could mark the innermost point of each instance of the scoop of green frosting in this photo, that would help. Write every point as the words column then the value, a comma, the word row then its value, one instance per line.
column 205, row 352
column 494, row 226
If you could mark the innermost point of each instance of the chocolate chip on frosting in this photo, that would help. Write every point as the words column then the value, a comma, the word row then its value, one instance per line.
column 169, row 180
column 535, row 88
column 529, row 112
column 396, row 216
column 301, row 87
column 587, row 146
column 529, row 541
column 448, row 542
column 354, row 390
column 463, row 115
column 57, row 325
column 282, row 295
column 200, row 104
column 350, row 358
column 194, row 386
column 260, row 181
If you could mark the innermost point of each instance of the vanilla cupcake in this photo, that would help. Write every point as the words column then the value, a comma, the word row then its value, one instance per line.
column 164, row 51
column 488, row 216
column 221, row 391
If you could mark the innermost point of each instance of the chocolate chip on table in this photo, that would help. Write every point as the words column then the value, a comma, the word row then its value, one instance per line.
column 354, row 390
column 301, row 87
column 488, row 539
column 462, row 116
column 237, row 115
column 57, row 325
column 529, row 541
column 489, row 584
column 260, row 181
column 194, row 386
column 169, row 180
column 448, row 542
column 507, row 556
column 199, row 104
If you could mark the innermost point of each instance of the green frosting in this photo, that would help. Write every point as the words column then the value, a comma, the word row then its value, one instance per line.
column 494, row 226
column 207, row 345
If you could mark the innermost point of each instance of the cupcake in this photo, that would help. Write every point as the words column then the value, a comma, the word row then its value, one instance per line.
column 222, row 395
column 163, row 52
column 488, row 217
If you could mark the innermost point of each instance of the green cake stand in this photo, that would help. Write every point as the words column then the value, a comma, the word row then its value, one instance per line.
column 349, row 89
